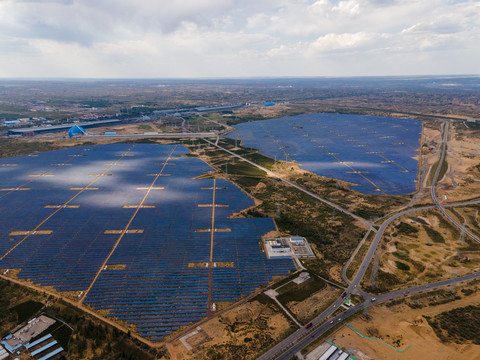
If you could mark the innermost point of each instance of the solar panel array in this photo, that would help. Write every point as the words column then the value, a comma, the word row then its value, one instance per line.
column 374, row 153
column 77, row 221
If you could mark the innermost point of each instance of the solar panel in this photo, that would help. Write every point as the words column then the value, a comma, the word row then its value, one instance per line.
column 376, row 154
column 149, row 279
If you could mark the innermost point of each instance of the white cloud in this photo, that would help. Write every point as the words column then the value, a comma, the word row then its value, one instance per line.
column 183, row 38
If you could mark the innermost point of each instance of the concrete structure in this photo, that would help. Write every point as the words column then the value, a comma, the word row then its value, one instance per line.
column 304, row 275
column 279, row 245
column 328, row 351
column 75, row 129
column 3, row 353
column 294, row 246
column 297, row 240
column 11, row 122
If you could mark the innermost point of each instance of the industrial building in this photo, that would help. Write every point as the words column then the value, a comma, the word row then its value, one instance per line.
column 295, row 246
column 329, row 351
column 297, row 240
column 279, row 245
column 63, row 127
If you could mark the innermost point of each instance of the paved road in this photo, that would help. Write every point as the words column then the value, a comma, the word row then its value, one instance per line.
column 302, row 337
column 359, row 246
column 272, row 174
column 435, row 179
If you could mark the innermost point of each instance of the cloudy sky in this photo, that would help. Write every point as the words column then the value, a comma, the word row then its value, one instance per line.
column 237, row 38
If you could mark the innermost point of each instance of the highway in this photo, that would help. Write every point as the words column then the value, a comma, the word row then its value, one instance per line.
column 302, row 337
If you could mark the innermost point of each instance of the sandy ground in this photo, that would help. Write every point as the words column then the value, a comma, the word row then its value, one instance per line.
column 265, row 111
column 462, row 180
column 312, row 306
column 232, row 327
column 408, row 327
column 439, row 259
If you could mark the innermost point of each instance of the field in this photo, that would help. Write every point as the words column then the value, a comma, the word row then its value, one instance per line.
column 84, row 222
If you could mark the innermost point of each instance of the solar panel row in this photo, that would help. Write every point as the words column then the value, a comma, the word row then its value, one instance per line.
column 149, row 280
column 374, row 153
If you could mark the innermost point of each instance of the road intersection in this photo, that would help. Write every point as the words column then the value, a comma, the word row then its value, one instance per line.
column 322, row 323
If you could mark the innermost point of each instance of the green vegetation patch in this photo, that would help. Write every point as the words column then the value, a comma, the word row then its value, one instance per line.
column 434, row 235
column 262, row 160
column 242, row 168
column 27, row 309
column 144, row 127
column 458, row 325
column 10, row 148
column 406, row 229
column 300, row 292
column 246, row 182
column 62, row 334
column 402, row 266
column 401, row 254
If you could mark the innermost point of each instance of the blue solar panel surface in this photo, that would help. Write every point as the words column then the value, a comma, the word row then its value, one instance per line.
column 376, row 154
column 70, row 218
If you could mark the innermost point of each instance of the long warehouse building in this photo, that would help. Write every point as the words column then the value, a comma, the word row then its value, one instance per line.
column 63, row 127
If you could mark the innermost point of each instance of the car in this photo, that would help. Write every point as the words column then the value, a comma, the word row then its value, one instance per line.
column 374, row 299
column 344, row 294
column 331, row 322
column 309, row 325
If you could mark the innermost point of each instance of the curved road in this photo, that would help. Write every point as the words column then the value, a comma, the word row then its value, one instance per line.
column 302, row 337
